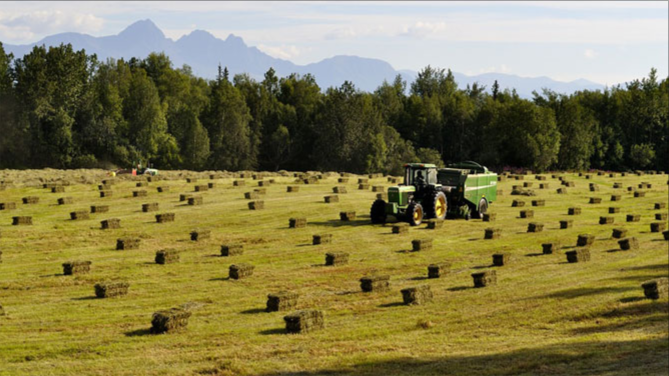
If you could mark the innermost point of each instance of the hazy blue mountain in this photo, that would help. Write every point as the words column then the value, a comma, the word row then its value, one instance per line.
column 203, row 52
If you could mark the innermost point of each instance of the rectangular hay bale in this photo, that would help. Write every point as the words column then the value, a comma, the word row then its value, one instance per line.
column 30, row 200
column 65, row 200
column 197, row 235
column 492, row 233
column 7, row 205
column 297, row 222
column 99, row 208
column 375, row 283
column 486, row 278
column 336, row 258
column 347, row 216
column 633, row 217
column 124, row 244
column 79, row 215
column 606, row 220
column 421, row 245
column 656, row 288
column 550, row 248
column 167, row 256
column 658, row 226
column 256, row 205
column 76, row 267
column 153, row 206
column 111, row 289
column 629, row 244
column 417, row 295
column 169, row 321
column 585, row 240
column 619, row 233
column 239, row 271
column 139, row 193
column 195, row 200
column 438, row 270
column 578, row 255
column 304, row 321
column 527, row 214
column 321, row 239
column 281, row 301
column 232, row 250
column 331, row 199
column 535, row 227
column 165, row 217
column 22, row 221
column 501, row 259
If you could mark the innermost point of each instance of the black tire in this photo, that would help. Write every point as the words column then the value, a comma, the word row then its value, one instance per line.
column 482, row 209
column 415, row 214
column 436, row 206
column 378, row 212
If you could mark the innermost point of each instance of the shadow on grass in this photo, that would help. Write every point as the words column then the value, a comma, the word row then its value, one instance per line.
column 269, row 332
column 664, row 267
column 390, row 305
column 220, row 279
column 138, row 332
column 535, row 254
column 613, row 358
column 477, row 267
column 585, row 291
column 253, row 311
column 86, row 298
column 459, row 288
column 422, row 278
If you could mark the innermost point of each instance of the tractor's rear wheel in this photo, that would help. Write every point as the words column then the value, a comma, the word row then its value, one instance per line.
column 436, row 206
column 414, row 214
column 378, row 212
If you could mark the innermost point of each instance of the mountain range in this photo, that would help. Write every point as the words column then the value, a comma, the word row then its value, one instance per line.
column 203, row 52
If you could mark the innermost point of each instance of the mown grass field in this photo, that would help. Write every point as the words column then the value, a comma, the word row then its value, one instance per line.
column 544, row 317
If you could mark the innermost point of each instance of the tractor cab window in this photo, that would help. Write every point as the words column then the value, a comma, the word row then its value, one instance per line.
column 420, row 176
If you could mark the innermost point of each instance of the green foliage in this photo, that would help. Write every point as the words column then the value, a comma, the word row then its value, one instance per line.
column 61, row 107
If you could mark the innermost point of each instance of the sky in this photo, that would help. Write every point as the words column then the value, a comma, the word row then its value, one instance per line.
column 607, row 42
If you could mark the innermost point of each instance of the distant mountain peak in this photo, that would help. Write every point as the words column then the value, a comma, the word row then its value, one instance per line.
column 143, row 28
column 198, row 35
column 235, row 40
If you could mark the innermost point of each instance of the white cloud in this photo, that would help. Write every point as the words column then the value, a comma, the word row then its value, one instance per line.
column 590, row 53
column 40, row 23
column 282, row 52
column 502, row 68
column 423, row 29
column 341, row 33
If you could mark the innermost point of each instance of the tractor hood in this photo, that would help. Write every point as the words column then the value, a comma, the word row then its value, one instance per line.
column 399, row 195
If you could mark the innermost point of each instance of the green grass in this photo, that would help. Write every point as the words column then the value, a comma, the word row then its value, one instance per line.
column 544, row 317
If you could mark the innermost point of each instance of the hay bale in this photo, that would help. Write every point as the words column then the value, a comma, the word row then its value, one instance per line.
column 142, row 184
column 544, row 186
column 339, row 190
column 540, row 177
column 658, row 226
column 630, row 189
column 195, row 200
column 594, row 188
column 666, row 235
column 538, row 202
column 336, row 258
column 251, row 195
column 232, row 250
column 616, row 197
column 567, row 223
column 595, row 200
column 191, row 180
column 550, row 248
column 588, row 176
column 417, row 295
column 421, row 245
column 535, row 227
column 527, row 184
column 645, row 185
column 562, row 191
column 501, row 259
column 628, row 244
column 375, row 283
column 617, row 185
column 239, row 271
column 363, row 187
column 281, row 301
column 656, row 288
column 310, row 180
column 489, row 217
column 569, row 184
column 124, row 244
column 342, row 180
column 517, row 203
column 264, row 183
column 527, row 214
column 322, row 239
column 614, row 210
column 304, row 321
column 150, row 207
column 165, row 217
column 660, row 205
column 434, row 224
column 363, row 181
column 574, row 211
column 58, row 189
column 522, row 192
column 619, row 233
column 378, row 188
column 438, row 270
column 293, row 188
column 22, row 221
column 169, row 321
column 211, row 185
column 197, row 235
column 260, row 191
column 7, row 205
column 300, row 222
column 30, row 200
column 639, row 194
column 492, row 233
column 139, row 193
column 660, row 216
column 400, row 228
column 111, row 289
column 578, row 255
column 606, row 220
column 106, row 194
column 184, row 197
column 585, row 240
column 633, row 217
column 256, row 205
column 238, row 183
column 109, row 181
column 201, row 188
column 76, row 267
column 347, row 216
column 99, row 208
column 79, row 215
column 167, row 256
column 486, row 278
column 331, row 199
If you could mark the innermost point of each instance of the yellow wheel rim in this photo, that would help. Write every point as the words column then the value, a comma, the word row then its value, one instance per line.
column 441, row 207
column 417, row 214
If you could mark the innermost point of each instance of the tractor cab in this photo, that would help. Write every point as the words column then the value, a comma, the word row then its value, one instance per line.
column 420, row 174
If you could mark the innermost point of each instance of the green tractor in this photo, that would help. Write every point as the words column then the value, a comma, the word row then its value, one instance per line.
column 462, row 189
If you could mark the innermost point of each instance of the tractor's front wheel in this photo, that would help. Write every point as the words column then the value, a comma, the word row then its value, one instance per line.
column 414, row 214
column 378, row 212
column 436, row 206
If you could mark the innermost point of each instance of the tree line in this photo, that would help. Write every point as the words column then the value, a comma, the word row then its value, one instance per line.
column 62, row 108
